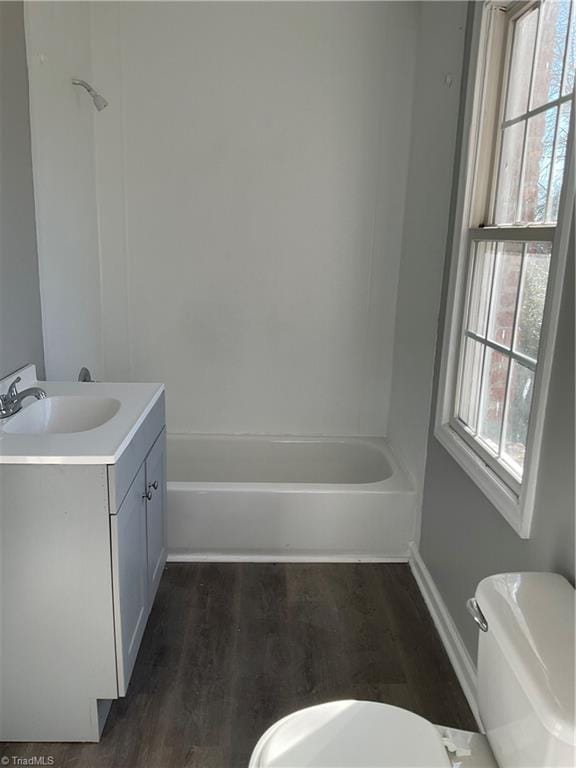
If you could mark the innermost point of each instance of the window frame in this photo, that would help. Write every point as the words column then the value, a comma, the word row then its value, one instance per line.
column 480, row 153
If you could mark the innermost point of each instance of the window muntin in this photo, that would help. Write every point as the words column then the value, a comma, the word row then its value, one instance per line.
column 535, row 119
column 508, row 271
column 507, row 285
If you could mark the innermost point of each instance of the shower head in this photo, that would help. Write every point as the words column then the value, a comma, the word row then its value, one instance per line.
column 99, row 101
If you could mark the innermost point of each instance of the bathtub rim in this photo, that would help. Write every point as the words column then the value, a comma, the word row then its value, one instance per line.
column 399, row 480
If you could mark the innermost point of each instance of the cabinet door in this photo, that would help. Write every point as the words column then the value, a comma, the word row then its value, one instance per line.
column 155, row 513
column 130, row 577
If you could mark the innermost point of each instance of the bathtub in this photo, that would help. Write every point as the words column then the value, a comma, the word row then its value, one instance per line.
column 286, row 498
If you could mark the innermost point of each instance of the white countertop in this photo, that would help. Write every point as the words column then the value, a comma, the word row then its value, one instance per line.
column 101, row 445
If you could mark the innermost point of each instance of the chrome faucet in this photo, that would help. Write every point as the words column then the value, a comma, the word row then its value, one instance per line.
column 11, row 402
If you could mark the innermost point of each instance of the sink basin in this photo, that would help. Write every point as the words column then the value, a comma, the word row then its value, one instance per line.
column 60, row 415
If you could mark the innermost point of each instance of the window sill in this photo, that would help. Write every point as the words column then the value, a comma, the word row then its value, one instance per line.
column 506, row 502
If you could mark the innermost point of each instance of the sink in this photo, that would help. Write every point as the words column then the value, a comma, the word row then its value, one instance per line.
column 60, row 415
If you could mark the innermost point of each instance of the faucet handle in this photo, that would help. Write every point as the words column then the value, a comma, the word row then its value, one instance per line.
column 12, row 391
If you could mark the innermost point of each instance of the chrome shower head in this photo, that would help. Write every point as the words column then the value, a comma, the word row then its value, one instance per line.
column 99, row 101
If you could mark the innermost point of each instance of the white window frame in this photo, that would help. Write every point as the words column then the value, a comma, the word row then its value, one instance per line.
column 514, row 500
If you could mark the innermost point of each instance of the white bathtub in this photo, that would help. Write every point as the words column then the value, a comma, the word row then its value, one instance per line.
column 286, row 498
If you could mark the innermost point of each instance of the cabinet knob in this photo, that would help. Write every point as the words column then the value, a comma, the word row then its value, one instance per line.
column 147, row 495
column 153, row 485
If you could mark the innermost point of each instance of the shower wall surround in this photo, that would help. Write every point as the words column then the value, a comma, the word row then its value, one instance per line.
column 235, row 214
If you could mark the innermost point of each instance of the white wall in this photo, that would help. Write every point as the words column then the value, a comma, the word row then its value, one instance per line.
column 424, row 245
column 20, row 318
column 250, row 179
column 58, row 49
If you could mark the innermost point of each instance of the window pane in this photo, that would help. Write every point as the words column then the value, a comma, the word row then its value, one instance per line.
column 504, row 292
column 481, row 277
column 493, row 392
column 470, row 383
column 570, row 64
column 550, row 52
column 559, row 162
column 521, row 64
column 509, row 173
column 532, row 297
column 537, row 165
column 517, row 416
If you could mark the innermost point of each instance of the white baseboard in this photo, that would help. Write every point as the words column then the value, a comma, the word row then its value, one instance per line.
column 217, row 557
column 451, row 638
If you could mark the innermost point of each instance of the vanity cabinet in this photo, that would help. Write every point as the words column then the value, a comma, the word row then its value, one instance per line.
column 138, row 540
column 129, row 577
column 82, row 550
column 155, row 514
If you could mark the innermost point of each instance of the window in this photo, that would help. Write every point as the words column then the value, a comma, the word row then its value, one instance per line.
column 510, row 248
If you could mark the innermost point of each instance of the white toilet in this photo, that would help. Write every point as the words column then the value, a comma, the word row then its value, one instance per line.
column 525, row 694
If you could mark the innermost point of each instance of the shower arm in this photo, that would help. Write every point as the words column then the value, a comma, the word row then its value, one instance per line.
column 99, row 101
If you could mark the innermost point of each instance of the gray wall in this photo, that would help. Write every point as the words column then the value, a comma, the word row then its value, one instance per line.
column 435, row 120
column 20, row 317
column 464, row 538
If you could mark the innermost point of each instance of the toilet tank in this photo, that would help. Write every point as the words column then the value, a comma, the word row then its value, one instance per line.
column 526, row 669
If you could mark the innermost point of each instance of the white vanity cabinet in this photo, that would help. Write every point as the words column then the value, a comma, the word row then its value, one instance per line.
column 130, row 577
column 138, row 540
column 82, row 550
column 155, row 514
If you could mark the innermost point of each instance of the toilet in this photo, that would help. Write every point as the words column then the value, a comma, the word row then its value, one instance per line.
column 525, row 698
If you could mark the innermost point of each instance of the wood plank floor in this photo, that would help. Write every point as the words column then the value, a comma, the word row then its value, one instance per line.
column 230, row 648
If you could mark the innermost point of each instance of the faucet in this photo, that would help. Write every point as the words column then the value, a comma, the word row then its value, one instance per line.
column 11, row 402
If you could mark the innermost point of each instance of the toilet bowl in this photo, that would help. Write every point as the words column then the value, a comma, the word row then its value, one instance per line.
column 365, row 734
column 525, row 697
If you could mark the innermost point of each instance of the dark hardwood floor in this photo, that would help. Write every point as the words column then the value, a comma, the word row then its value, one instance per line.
column 230, row 648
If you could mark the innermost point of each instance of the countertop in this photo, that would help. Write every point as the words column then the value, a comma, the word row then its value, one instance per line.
column 101, row 445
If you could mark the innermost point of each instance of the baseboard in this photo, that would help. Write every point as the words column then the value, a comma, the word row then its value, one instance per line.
column 216, row 557
column 451, row 638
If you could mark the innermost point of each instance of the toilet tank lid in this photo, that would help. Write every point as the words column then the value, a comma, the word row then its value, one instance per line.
column 532, row 617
